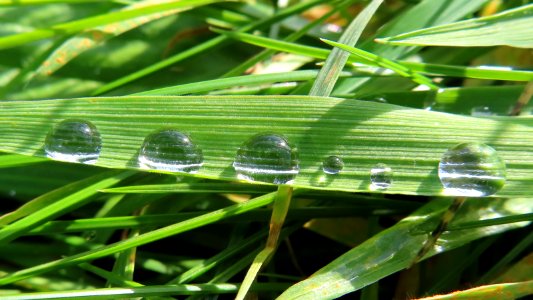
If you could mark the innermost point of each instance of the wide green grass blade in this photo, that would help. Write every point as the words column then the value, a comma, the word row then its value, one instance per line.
column 410, row 141
column 394, row 248
column 91, row 22
column 510, row 28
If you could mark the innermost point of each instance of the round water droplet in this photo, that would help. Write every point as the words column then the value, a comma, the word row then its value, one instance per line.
column 74, row 141
column 481, row 111
column 471, row 170
column 170, row 150
column 332, row 165
column 267, row 157
column 381, row 177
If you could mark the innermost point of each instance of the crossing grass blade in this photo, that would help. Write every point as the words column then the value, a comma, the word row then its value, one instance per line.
column 427, row 68
column 510, row 28
column 363, row 133
column 385, row 63
column 394, row 248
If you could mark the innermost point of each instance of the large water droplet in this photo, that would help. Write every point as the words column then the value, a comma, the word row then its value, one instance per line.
column 332, row 165
column 381, row 177
column 471, row 170
column 170, row 150
column 267, row 157
column 74, row 141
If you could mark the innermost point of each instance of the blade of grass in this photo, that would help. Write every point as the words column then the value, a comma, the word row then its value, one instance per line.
column 14, row 160
column 141, row 239
column 329, row 73
column 223, row 83
column 430, row 69
column 210, row 44
column 385, row 63
column 89, row 39
column 511, row 28
column 70, row 197
column 290, row 38
column 363, row 133
column 394, row 248
column 91, row 22
column 147, row 291
column 511, row 290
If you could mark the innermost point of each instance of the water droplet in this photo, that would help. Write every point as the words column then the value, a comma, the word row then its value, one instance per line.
column 471, row 170
column 481, row 111
column 74, row 141
column 267, row 157
column 170, row 150
column 381, row 177
column 332, row 165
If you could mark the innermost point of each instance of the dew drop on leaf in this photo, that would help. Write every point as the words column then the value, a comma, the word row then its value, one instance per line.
column 471, row 170
column 268, row 158
column 170, row 150
column 332, row 165
column 74, row 141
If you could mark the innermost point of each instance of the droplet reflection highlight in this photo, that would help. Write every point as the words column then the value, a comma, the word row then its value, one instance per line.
column 170, row 150
column 74, row 141
column 471, row 170
column 267, row 157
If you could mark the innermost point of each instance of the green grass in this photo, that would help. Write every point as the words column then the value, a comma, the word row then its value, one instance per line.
column 399, row 85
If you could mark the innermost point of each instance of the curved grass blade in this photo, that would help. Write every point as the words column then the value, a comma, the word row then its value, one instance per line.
column 363, row 133
column 510, row 28
column 394, row 248
column 91, row 22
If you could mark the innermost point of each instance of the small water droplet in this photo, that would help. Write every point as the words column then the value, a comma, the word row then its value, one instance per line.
column 267, row 157
column 332, row 165
column 170, row 150
column 481, row 111
column 381, row 177
column 471, row 170
column 74, row 141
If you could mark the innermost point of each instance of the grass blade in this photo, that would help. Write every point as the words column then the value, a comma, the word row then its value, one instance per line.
column 510, row 28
